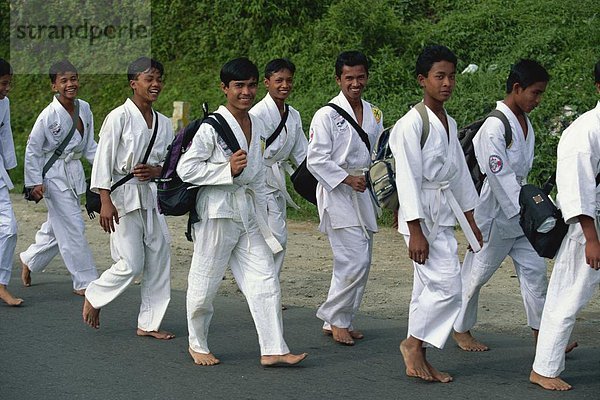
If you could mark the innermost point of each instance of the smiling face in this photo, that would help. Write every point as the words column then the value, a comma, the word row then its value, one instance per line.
column 529, row 98
column 5, row 84
column 353, row 81
column 439, row 82
column 147, row 85
column 240, row 94
column 66, row 85
column 280, row 84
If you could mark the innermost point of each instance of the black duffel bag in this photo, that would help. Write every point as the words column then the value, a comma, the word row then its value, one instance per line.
column 305, row 183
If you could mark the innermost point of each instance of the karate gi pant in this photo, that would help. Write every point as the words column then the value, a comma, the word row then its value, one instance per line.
column 8, row 236
column 572, row 285
column 478, row 269
column 277, row 214
column 351, row 265
column 64, row 233
column 436, row 295
column 137, row 251
column 220, row 242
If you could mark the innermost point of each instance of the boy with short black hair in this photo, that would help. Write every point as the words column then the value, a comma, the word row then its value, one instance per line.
column 139, row 236
column 233, row 230
column 282, row 144
column 436, row 191
column 506, row 167
column 8, row 160
column 576, row 271
column 338, row 158
column 64, row 181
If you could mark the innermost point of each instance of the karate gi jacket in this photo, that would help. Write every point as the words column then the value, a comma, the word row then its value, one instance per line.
column 425, row 176
column 124, row 139
column 8, row 157
column 506, row 171
column 291, row 144
column 578, row 163
column 335, row 150
column 50, row 129
column 206, row 164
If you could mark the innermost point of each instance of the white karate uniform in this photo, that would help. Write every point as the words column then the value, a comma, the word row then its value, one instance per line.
column 347, row 216
column 290, row 145
column 497, row 216
column 64, row 230
column 232, row 231
column 140, row 243
column 8, row 221
column 573, row 281
column 432, row 181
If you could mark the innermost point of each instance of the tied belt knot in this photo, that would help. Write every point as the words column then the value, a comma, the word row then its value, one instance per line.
column 358, row 172
column 444, row 187
column 279, row 168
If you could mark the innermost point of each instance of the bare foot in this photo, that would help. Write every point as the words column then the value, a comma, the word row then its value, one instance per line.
column 342, row 336
column 438, row 375
column 80, row 292
column 8, row 298
column 162, row 335
column 354, row 334
column 549, row 383
column 91, row 315
column 467, row 342
column 25, row 275
column 414, row 359
column 204, row 359
column 282, row 360
column 571, row 347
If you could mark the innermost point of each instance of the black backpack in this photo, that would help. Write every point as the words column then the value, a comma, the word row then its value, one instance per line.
column 466, row 136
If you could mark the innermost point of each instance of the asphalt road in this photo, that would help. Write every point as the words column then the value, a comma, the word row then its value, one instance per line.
column 47, row 352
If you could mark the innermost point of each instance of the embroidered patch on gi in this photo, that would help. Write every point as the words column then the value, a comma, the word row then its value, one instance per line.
column 340, row 122
column 377, row 114
column 496, row 164
column 310, row 135
column 54, row 128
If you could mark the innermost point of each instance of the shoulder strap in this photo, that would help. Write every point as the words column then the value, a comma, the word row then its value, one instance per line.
column 279, row 128
column 422, row 110
column 61, row 147
column 146, row 155
column 224, row 130
column 507, row 131
column 363, row 135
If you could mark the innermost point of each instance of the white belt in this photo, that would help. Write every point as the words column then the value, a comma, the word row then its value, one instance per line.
column 152, row 200
column 440, row 187
column 278, row 167
column 358, row 172
column 240, row 197
column 70, row 156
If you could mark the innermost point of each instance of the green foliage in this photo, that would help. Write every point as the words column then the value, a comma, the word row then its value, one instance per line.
column 193, row 40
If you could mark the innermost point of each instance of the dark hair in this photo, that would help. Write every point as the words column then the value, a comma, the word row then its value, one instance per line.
column 432, row 54
column 350, row 59
column 279, row 64
column 60, row 67
column 597, row 72
column 526, row 73
column 5, row 68
column 238, row 69
column 143, row 64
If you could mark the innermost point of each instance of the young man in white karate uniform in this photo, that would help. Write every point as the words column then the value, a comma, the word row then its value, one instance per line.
column 338, row 158
column 576, row 272
column 64, row 230
column 8, row 160
column 139, row 237
column 233, row 229
column 434, row 190
column 289, row 145
column 506, row 167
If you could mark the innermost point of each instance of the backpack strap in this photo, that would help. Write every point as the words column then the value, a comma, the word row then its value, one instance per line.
column 363, row 135
column 279, row 128
column 224, row 131
column 507, row 130
column 61, row 147
column 128, row 177
column 422, row 110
